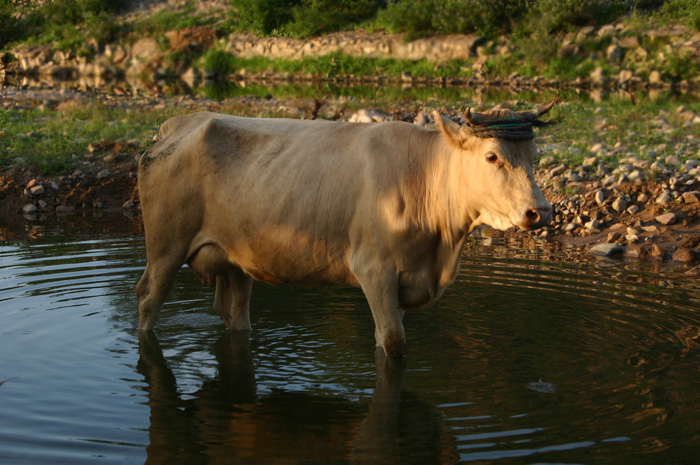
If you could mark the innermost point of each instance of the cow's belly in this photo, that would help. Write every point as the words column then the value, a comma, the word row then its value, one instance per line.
column 299, row 263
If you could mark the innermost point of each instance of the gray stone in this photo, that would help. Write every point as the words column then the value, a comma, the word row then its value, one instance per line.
column 29, row 208
column 599, row 197
column 664, row 198
column 667, row 219
column 105, row 173
column 606, row 249
column 37, row 190
column 619, row 204
column 557, row 170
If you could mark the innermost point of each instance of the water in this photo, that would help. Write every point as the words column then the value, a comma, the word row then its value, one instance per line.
column 534, row 355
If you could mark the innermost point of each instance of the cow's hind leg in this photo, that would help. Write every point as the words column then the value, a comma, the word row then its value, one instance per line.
column 232, row 300
column 154, row 286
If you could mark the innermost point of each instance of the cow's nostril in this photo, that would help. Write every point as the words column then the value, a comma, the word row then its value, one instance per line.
column 533, row 215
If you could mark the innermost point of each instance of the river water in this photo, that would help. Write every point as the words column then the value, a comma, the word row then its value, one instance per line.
column 530, row 357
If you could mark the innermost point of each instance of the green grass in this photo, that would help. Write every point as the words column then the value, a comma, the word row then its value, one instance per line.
column 331, row 65
column 55, row 141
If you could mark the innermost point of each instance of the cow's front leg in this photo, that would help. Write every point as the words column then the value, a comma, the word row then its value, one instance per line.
column 232, row 300
column 382, row 296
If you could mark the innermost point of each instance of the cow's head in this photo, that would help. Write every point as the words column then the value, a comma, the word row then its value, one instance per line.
column 495, row 152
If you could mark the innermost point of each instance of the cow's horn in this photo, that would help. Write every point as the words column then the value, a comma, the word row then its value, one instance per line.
column 546, row 108
column 472, row 119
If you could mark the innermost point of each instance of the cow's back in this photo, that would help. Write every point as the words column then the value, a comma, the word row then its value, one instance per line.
column 284, row 198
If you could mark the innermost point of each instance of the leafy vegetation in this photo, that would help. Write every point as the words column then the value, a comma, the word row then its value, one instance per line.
column 55, row 141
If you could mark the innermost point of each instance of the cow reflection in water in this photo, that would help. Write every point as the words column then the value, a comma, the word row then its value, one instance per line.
column 226, row 421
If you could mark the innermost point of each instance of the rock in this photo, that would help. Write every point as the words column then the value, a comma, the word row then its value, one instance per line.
column 667, row 219
column 37, row 190
column 421, row 119
column 636, row 251
column 633, row 230
column 656, row 166
column 593, row 224
column 613, row 237
column 691, row 197
column 145, row 48
column 619, row 205
column 632, row 238
column 664, row 198
column 597, row 76
column 29, row 208
column 606, row 249
column 642, row 198
column 614, row 53
column 632, row 209
column 657, row 252
column 655, row 78
column 590, row 161
column 369, row 116
column 693, row 271
column 105, row 173
column 557, row 170
column 547, row 161
column 683, row 254
column 672, row 160
column 599, row 198
column 128, row 205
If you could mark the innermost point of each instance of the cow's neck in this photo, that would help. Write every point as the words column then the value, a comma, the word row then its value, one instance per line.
column 445, row 207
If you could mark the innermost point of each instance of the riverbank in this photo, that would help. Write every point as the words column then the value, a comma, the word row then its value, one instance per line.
column 622, row 175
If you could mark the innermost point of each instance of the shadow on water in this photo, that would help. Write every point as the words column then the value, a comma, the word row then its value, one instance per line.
column 227, row 420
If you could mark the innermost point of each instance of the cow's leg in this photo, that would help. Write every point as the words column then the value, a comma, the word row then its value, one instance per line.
column 232, row 300
column 382, row 295
column 154, row 285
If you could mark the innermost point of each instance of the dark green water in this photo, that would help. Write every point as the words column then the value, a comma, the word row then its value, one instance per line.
column 528, row 358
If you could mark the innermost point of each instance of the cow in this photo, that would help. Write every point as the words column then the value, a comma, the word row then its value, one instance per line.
column 385, row 207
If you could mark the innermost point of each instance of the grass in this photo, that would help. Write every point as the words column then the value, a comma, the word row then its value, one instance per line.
column 55, row 142
column 332, row 65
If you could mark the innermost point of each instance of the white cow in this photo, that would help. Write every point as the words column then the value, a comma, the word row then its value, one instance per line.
column 385, row 206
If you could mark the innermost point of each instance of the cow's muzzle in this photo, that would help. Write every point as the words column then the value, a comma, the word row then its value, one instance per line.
column 538, row 217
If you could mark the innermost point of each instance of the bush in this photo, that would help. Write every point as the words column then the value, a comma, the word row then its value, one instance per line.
column 302, row 18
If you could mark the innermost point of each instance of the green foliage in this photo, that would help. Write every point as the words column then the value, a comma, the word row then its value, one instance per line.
column 302, row 18
column 681, row 11
column 163, row 21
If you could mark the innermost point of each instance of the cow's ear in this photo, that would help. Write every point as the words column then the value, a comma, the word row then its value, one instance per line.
column 450, row 130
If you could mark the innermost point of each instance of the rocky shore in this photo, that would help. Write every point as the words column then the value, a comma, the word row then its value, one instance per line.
column 631, row 207
column 613, row 56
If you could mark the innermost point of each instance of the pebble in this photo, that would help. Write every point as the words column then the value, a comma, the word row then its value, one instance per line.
column 691, row 197
column 667, row 219
column 29, row 208
column 613, row 236
column 557, row 170
column 632, row 209
column 606, row 249
column 599, row 197
column 642, row 198
column 37, row 190
column 683, row 254
column 664, row 198
column 129, row 204
column 657, row 252
column 105, row 173
column 619, row 205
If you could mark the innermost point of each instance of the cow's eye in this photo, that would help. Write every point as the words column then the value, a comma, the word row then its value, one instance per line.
column 491, row 157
